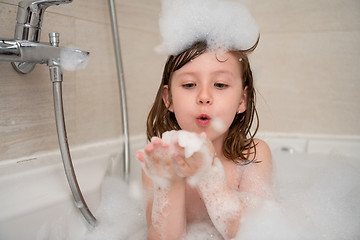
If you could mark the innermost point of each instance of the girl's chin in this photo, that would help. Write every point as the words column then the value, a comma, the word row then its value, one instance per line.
column 210, row 132
column 214, row 136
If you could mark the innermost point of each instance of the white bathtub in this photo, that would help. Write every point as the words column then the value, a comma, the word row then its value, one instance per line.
column 34, row 190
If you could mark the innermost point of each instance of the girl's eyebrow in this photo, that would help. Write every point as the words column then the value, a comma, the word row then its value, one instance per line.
column 217, row 72
column 228, row 74
column 188, row 73
column 224, row 72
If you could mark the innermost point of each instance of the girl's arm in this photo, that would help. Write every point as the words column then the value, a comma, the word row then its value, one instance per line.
column 165, row 210
column 164, row 193
column 224, row 205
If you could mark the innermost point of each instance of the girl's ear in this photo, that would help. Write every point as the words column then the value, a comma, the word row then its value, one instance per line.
column 165, row 97
column 243, row 102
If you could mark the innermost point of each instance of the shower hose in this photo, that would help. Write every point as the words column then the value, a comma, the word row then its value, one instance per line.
column 56, row 79
column 64, row 149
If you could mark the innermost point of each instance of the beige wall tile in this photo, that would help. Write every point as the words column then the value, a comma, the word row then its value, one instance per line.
column 8, row 16
column 27, row 118
column 309, row 82
column 143, row 72
column 307, row 15
column 97, row 98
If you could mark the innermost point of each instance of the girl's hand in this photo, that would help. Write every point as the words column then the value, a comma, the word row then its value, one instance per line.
column 157, row 161
column 188, row 167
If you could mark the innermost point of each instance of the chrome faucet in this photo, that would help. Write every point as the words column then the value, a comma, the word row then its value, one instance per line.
column 25, row 51
column 29, row 18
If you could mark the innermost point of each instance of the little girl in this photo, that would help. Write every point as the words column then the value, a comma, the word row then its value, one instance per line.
column 207, row 96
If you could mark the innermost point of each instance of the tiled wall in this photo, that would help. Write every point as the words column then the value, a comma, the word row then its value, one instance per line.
column 306, row 68
column 91, row 96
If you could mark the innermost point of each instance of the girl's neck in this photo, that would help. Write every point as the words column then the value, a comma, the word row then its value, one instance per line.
column 218, row 146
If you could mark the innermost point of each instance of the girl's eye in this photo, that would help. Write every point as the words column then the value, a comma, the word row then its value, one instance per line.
column 189, row 85
column 220, row 85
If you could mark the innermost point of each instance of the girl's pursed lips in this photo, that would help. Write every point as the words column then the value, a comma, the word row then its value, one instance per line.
column 203, row 119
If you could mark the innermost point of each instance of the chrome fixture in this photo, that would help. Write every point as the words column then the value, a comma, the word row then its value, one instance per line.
column 121, row 80
column 24, row 52
column 288, row 149
column 29, row 18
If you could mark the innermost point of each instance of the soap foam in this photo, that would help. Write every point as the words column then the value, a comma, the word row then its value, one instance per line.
column 218, row 125
column 201, row 230
column 120, row 215
column 316, row 198
column 72, row 59
column 221, row 23
column 190, row 142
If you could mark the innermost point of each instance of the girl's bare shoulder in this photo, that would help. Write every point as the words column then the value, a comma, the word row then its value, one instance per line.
column 263, row 152
column 257, row 176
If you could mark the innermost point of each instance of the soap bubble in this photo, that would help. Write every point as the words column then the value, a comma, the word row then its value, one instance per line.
column 218, row 125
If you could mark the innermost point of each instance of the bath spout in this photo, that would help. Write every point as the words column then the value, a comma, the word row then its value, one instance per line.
column 22, row 52
column 25, row 51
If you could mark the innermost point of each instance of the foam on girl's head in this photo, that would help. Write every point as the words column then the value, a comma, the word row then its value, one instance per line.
column 221, row 23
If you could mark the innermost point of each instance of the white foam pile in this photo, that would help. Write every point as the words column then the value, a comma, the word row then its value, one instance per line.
column 317, row 198
column 72, row 59
column 221, row 23
column 120, row 215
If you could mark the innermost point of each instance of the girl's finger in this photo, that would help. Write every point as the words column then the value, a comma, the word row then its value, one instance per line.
column 149, row 149
column 140, row 156
column 180, row 160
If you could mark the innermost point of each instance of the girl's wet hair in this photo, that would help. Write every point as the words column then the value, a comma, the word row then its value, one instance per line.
column 239, row 143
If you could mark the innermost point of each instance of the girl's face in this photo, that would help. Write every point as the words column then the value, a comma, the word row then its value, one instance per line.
column 206, row 94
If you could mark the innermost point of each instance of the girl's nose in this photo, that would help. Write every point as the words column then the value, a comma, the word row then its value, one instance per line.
column 204, row 97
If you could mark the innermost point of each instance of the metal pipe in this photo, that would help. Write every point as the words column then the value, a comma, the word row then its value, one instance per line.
column 120, row 74
column 64, row 148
